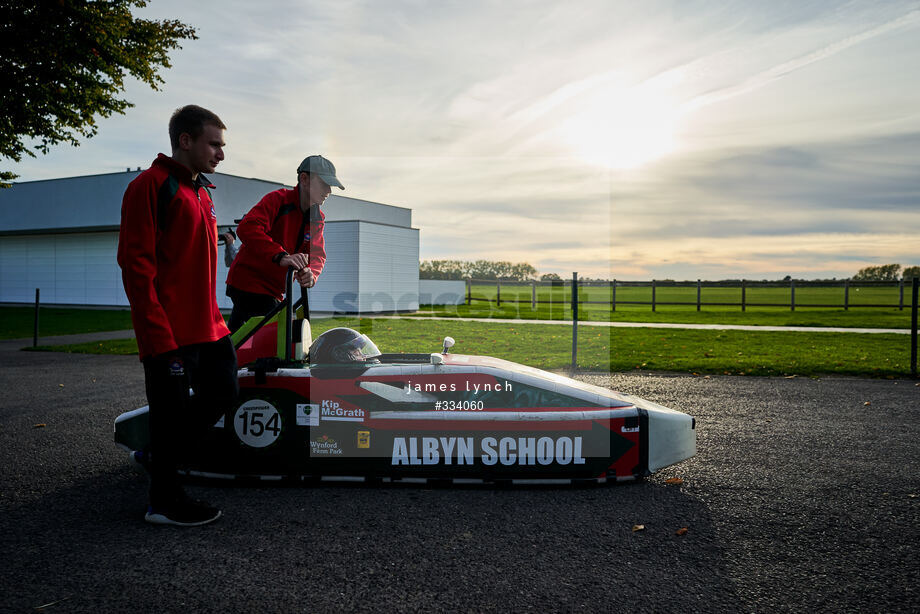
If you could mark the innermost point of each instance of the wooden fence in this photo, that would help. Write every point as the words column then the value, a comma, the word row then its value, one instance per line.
column 560, row 288
column 791, row 294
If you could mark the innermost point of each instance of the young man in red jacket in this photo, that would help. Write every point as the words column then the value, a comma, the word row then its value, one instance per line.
column 285, row 229
column 167, row 251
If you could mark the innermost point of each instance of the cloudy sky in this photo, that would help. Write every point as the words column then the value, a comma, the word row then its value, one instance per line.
column 634, row 140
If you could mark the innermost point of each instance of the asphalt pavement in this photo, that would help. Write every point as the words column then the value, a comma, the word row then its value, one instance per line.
column 804, row 496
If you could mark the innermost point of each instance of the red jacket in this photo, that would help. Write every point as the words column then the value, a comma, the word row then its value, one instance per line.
column 167, row 251
column 274, row 226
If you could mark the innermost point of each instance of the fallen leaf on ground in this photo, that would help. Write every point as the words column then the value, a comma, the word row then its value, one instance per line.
column 674, row 481
column 638, row 527
column 682, row 531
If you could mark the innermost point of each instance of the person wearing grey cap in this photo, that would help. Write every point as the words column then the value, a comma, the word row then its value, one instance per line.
column 285, row 229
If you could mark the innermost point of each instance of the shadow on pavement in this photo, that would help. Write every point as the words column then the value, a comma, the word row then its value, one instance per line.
column 356, row 548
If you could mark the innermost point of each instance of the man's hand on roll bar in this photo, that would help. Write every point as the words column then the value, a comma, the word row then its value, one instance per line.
column 300, row 264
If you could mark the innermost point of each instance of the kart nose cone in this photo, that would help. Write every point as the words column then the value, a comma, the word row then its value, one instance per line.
column 671, row 436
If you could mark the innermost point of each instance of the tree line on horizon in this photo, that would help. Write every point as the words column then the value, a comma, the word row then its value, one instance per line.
column 487, row 270
column 476, row 269
column 887, row 272
column 523, row 271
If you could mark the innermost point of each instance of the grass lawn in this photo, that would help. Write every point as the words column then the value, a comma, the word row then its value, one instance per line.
column 828, row 294
column 773, row 308
column 628, row 349
column 18, row 322
column 864, row 317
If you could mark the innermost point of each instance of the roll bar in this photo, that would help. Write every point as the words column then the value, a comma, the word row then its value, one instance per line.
column 288, row 319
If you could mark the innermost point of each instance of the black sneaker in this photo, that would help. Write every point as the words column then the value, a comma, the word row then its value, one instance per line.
column 183, row 513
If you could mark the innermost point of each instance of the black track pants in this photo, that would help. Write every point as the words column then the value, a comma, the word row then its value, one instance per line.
column 178, row 421
column 247, row 305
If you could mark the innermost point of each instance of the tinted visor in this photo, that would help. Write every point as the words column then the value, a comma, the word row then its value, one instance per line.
column 357, row 350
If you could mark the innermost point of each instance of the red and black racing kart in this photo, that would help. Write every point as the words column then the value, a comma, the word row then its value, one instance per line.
column 338, row 409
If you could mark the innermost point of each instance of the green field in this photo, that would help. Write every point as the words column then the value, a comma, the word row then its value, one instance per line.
column 18, row 322
column 629, row 349
column 617, row 349
column 722, row 305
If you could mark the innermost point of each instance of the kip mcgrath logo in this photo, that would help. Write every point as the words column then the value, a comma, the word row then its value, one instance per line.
column 330, row 410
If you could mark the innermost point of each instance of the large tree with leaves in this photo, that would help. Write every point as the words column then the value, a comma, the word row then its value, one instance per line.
column 64, row 63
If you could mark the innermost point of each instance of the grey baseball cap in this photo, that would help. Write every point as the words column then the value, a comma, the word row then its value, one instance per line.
column 322, row 167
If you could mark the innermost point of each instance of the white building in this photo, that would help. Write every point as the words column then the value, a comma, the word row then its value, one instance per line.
column 61, row 236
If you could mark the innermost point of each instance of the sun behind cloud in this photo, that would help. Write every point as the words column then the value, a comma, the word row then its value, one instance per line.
column 622, row 127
